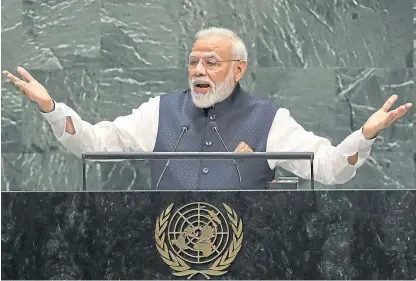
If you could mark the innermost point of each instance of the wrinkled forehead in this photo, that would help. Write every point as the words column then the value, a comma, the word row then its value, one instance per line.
column 213, row 46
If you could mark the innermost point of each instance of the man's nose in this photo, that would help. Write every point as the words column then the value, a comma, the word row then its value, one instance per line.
column 200, row 69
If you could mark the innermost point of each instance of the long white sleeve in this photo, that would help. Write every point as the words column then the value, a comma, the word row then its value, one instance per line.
column 330, row 163
column 134, row 132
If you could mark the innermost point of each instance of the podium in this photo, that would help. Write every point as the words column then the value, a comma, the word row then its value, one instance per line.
column 254, row 234
column 266, row 234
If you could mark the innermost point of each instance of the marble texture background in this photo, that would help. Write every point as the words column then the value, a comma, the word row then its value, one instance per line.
column 332, row 63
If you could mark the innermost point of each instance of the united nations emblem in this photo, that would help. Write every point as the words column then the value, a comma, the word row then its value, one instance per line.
column 198, row 234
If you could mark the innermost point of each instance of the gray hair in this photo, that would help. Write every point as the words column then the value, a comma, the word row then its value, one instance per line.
column 239, row 50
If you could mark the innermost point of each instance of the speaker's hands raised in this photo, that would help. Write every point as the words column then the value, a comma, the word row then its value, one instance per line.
column 37, row 93
column 31, row 88
column 384, row 117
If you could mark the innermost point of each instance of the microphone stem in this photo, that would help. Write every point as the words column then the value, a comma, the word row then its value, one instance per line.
column 235, row 163
column 184, row 129
column 219, row 136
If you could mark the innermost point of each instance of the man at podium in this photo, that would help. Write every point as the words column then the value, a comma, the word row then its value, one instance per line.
column 215, row 114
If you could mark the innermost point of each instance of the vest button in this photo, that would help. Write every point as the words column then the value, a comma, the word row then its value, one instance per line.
column 205, row 170
column 212, row 117
column 208, row 143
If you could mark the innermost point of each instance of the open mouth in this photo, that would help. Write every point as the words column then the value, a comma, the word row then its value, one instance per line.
column 202, row 85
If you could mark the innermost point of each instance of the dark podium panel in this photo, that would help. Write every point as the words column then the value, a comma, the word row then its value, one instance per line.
column 256, row 235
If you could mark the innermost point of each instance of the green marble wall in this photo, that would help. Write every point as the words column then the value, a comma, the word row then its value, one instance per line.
column 332, row 63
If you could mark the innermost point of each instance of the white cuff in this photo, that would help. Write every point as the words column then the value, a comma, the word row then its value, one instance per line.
column 355, row 142
column 56, row 114
column 364, row 143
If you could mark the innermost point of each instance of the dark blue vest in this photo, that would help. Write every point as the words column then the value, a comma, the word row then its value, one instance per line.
column 241, row 117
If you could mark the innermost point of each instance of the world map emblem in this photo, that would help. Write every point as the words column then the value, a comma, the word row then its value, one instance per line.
column 198, row 238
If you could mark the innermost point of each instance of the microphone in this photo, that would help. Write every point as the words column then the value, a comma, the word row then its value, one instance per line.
column 214, row 127
column 185, row 128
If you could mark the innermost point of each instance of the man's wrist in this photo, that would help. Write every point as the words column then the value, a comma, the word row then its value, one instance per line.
column 368, row 137
column 46, row 110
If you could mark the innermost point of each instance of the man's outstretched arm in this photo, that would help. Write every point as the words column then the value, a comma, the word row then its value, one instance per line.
column 333, row 164
column 134, row 132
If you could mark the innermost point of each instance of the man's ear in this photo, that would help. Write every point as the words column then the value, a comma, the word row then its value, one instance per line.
column 241, row 69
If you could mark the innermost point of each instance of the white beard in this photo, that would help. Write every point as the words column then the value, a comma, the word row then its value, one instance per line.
column 217, row 94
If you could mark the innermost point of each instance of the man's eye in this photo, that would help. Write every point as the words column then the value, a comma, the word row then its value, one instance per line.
column 211, row 62
column 193, row 62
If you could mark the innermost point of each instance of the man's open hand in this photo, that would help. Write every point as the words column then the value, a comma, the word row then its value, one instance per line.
column 384, row 117
column 31, row 88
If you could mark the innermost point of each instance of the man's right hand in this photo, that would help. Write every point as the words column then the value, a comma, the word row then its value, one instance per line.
column 31, row 88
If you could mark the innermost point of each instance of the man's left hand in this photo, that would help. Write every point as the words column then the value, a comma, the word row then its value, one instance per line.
column 383, row 118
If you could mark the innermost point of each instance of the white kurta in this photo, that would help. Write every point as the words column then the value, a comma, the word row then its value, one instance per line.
column 138, row 132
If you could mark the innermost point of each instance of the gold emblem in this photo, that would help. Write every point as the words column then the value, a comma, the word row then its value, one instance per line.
column 198, row 234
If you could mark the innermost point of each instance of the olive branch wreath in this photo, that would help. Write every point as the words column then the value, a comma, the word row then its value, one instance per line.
column 181, row 268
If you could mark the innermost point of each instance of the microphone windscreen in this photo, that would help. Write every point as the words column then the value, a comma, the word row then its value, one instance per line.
column 185, row 123
column 213, row 125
